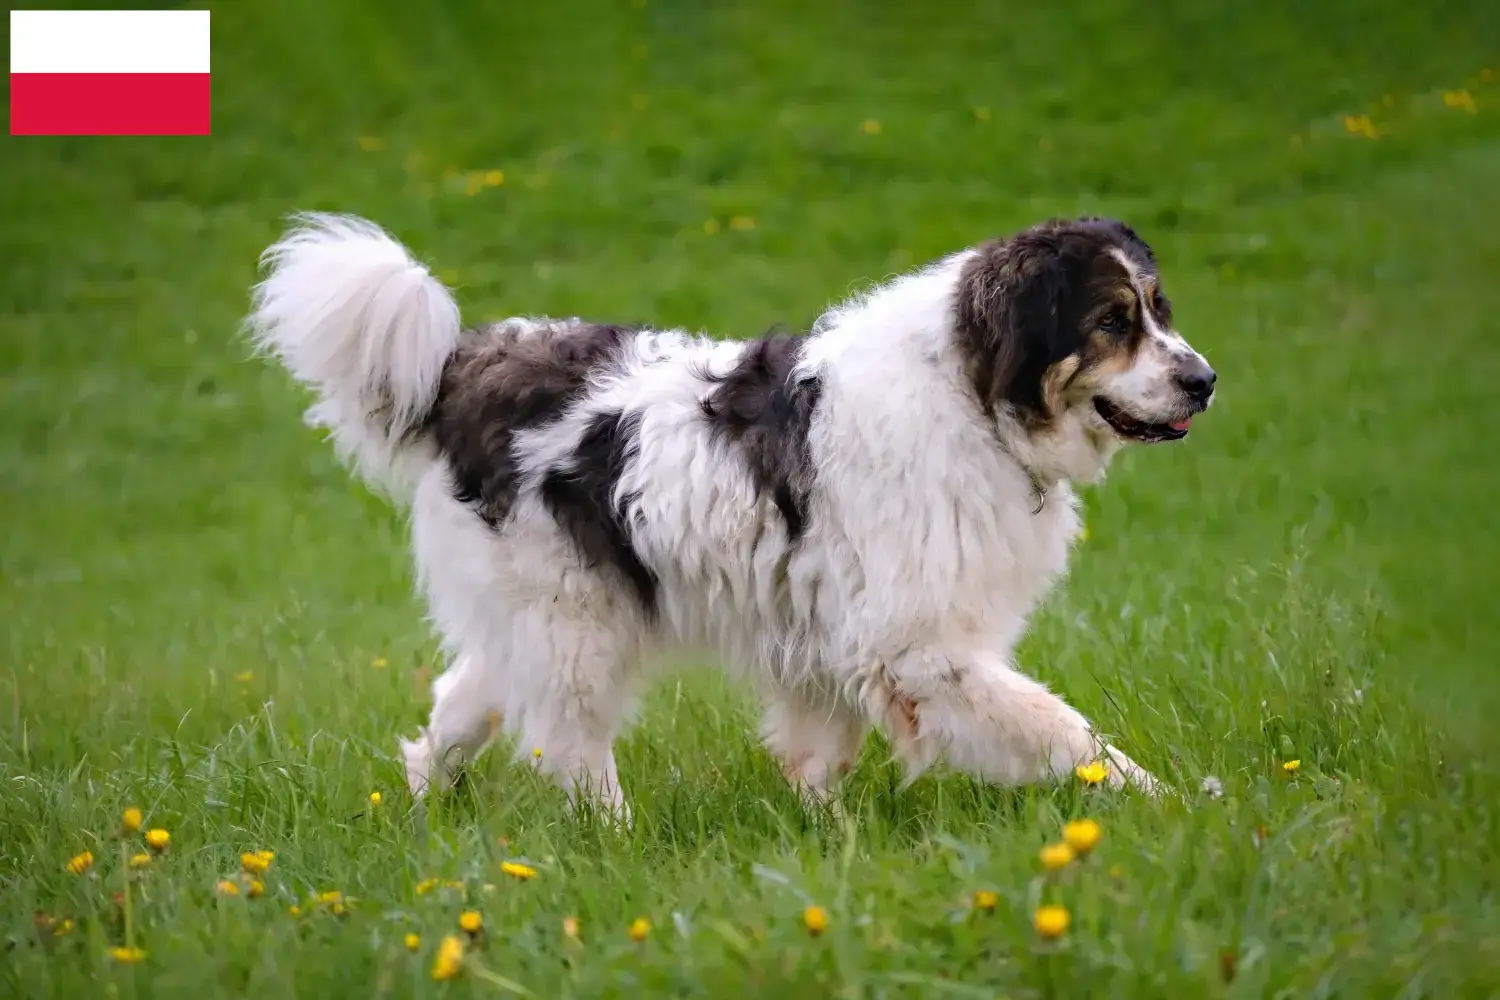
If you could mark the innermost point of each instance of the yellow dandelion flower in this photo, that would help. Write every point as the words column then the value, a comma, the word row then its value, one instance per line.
column 1092, row 774
column 471, row 921
column 127, row 956
column 266, row 857
column 1082, row 835
column 517, row 870
column 294, row 910
column 1460, row 99
column 158, row 839
column 985, row 900
column 244, row 676
column 379, row 663
column 370, row 144
column 337, row 909
column 139, row 861
column 450, row 958
column 331, row 898
column 253, row 863
column 570, row 928
column 1056, row 857
column 131, row 820
column 640, row 927
column 375, row 798
column 63, row 926
column 225, row 887
column 870, row 127
column 815, row 919
column 1292, row 766
column 426, row 885
column 982, row 114
column 494, row 178
column 1050, row 921
column 710, row 226
column 536, row 752
column 413, row 942
column 255, row 889
column 80, row 863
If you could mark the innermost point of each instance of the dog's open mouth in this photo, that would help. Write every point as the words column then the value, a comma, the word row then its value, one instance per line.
column 1139, row 430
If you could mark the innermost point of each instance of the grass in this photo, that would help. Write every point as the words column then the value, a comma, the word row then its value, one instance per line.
column 207, row 618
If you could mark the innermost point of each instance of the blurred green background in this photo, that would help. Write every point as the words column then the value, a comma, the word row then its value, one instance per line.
column 206, row 616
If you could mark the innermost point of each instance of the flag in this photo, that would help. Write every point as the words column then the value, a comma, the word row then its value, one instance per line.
column 109, row 72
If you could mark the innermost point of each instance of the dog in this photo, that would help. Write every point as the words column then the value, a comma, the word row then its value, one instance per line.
column 860, row 519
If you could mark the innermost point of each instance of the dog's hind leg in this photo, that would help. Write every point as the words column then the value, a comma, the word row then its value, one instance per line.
column 465, row 715
column 573, row 692
column 545, row 640
column 560, row 687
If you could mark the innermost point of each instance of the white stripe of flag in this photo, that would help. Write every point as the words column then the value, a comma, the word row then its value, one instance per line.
column 109, row 72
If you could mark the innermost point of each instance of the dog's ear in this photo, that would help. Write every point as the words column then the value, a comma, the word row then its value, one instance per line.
column 1009, row 300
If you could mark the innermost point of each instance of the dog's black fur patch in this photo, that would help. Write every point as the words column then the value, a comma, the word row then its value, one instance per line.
column 501, row 380
column 580, row 496
column 1026, row 303
column 765, row 412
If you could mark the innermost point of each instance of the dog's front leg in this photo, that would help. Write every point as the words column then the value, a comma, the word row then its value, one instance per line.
column 815, row 737
column 985, row 717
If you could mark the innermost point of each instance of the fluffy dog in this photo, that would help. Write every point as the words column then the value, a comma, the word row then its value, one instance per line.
column 861, row 519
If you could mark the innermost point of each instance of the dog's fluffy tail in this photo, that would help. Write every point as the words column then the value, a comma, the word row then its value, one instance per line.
column 350, row 313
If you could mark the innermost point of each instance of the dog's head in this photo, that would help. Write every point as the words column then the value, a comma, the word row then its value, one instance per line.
column 1067, row 324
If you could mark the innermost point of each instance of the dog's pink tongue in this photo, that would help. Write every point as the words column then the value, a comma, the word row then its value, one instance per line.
column 1181, row 425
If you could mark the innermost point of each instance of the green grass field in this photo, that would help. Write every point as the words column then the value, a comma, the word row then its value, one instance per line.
column 206, row 617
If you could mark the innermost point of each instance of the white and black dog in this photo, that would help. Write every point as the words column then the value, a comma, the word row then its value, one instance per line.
column 861, row 518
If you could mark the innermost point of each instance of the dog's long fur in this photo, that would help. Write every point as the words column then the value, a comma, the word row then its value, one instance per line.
column 861, row 519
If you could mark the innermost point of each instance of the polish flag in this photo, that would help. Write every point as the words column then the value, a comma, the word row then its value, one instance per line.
column 109, row 72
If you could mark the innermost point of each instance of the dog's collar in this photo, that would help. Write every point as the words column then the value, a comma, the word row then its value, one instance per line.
column 1038, row 486
column 1038, row 491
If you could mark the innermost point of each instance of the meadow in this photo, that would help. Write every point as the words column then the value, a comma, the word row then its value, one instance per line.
column 208, row 619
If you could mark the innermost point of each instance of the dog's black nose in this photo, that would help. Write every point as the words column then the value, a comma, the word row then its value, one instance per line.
column 1197, row 380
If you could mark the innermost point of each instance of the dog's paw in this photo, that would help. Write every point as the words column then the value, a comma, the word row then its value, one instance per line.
column 418, row 757
column 1124, row 772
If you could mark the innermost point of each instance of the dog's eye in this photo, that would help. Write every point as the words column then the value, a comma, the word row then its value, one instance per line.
column 1114, row 322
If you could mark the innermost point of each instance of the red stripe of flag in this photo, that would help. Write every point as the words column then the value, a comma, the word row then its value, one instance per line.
column 109, row 104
